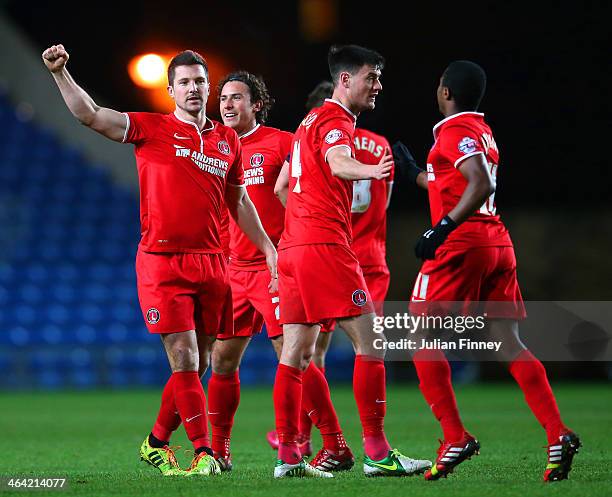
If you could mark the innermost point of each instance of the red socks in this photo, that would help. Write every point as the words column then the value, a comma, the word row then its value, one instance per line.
column 435, row 383
column 318, row 405
column 305, row 421
column 191, row 405
column 168, row 419
column 223, row 400
column 287, row 395
column 305, row 424
column 530, row 375
column 370, row 395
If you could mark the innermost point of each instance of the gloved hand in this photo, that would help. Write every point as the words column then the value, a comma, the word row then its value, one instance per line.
column 405, row 161
column 432, row 238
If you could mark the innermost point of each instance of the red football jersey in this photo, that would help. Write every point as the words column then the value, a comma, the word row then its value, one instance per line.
column 183, row 173
column 369, row 207
column 224, row 231
column 263, row 153
column 319, row 204
column 456, row 138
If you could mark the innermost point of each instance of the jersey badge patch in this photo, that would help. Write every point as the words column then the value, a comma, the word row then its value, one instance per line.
column 333, row 136
column 467, row 145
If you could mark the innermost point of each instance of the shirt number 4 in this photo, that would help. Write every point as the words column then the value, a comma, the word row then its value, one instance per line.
column 488, row 208
column 362, row 196
column 296, row 166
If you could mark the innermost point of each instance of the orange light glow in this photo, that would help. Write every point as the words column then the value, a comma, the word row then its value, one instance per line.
column 149, row 70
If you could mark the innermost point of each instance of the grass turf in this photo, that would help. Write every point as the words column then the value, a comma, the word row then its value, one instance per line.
column 93, row 438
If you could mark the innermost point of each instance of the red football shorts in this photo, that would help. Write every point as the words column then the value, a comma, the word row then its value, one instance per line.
column 253, row 304
column 319, row 282
column 180, row 292
column 377, row 279
column 481, row 274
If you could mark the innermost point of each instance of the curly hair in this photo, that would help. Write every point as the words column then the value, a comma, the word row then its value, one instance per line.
column 257, row 89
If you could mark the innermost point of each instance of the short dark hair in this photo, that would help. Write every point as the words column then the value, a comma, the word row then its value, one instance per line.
column 316, row 97
column 185, row 58
column 467, row 82
column 257, row 89
column 351, row 58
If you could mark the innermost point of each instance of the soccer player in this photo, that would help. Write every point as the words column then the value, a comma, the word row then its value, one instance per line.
column 188, row 167
column 244, row 104
column 369, row 223
column 319, row 275
column 468, row 257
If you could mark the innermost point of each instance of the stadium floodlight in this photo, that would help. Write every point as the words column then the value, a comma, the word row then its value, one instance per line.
column 149, row 70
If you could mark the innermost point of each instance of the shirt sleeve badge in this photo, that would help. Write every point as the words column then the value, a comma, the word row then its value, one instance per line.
column 333, row 136
column 467, row 145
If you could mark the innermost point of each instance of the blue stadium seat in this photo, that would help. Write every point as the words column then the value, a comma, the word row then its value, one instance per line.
column 68, row 299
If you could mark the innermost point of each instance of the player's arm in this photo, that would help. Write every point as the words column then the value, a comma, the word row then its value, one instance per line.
column 344, row 166
column 408, row 166
column 107, row 122
column 242, row 209
column 480, row 185
column 281, row 187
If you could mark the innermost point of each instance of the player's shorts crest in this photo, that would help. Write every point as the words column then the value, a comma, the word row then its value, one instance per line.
column 224, row 147
column 333, row 136
column 360, row 298
column 257, row 160
column 153, row 316
column 467, row 145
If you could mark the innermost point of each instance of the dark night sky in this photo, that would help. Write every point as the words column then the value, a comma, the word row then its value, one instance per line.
column 548, row 69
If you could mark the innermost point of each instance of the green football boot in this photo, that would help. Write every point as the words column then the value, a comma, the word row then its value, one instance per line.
column 163, row 459
column 203, row 464
column 395, row 464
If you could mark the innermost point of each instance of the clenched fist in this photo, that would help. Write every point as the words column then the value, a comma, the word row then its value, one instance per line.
column 55, row 58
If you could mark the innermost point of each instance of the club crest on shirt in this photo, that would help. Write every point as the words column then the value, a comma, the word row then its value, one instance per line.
column 333, row 136
column 224, row 147
column 153, row 316
column 360, row 298
column 467, row 145
column 257, row 160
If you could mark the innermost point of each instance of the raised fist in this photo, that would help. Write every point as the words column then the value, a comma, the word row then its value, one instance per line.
column 55, row 58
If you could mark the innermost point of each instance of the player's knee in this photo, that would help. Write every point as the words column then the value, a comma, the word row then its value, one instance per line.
column 184, row 358
column 224, row 361
column 225, row 365
column 204, row 363
column 372, row 347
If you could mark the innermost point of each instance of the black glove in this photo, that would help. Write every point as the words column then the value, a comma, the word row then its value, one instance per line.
column 405, row 162
column 432, row 238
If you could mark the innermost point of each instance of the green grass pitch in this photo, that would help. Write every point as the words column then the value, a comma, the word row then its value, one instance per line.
column 93, row 438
